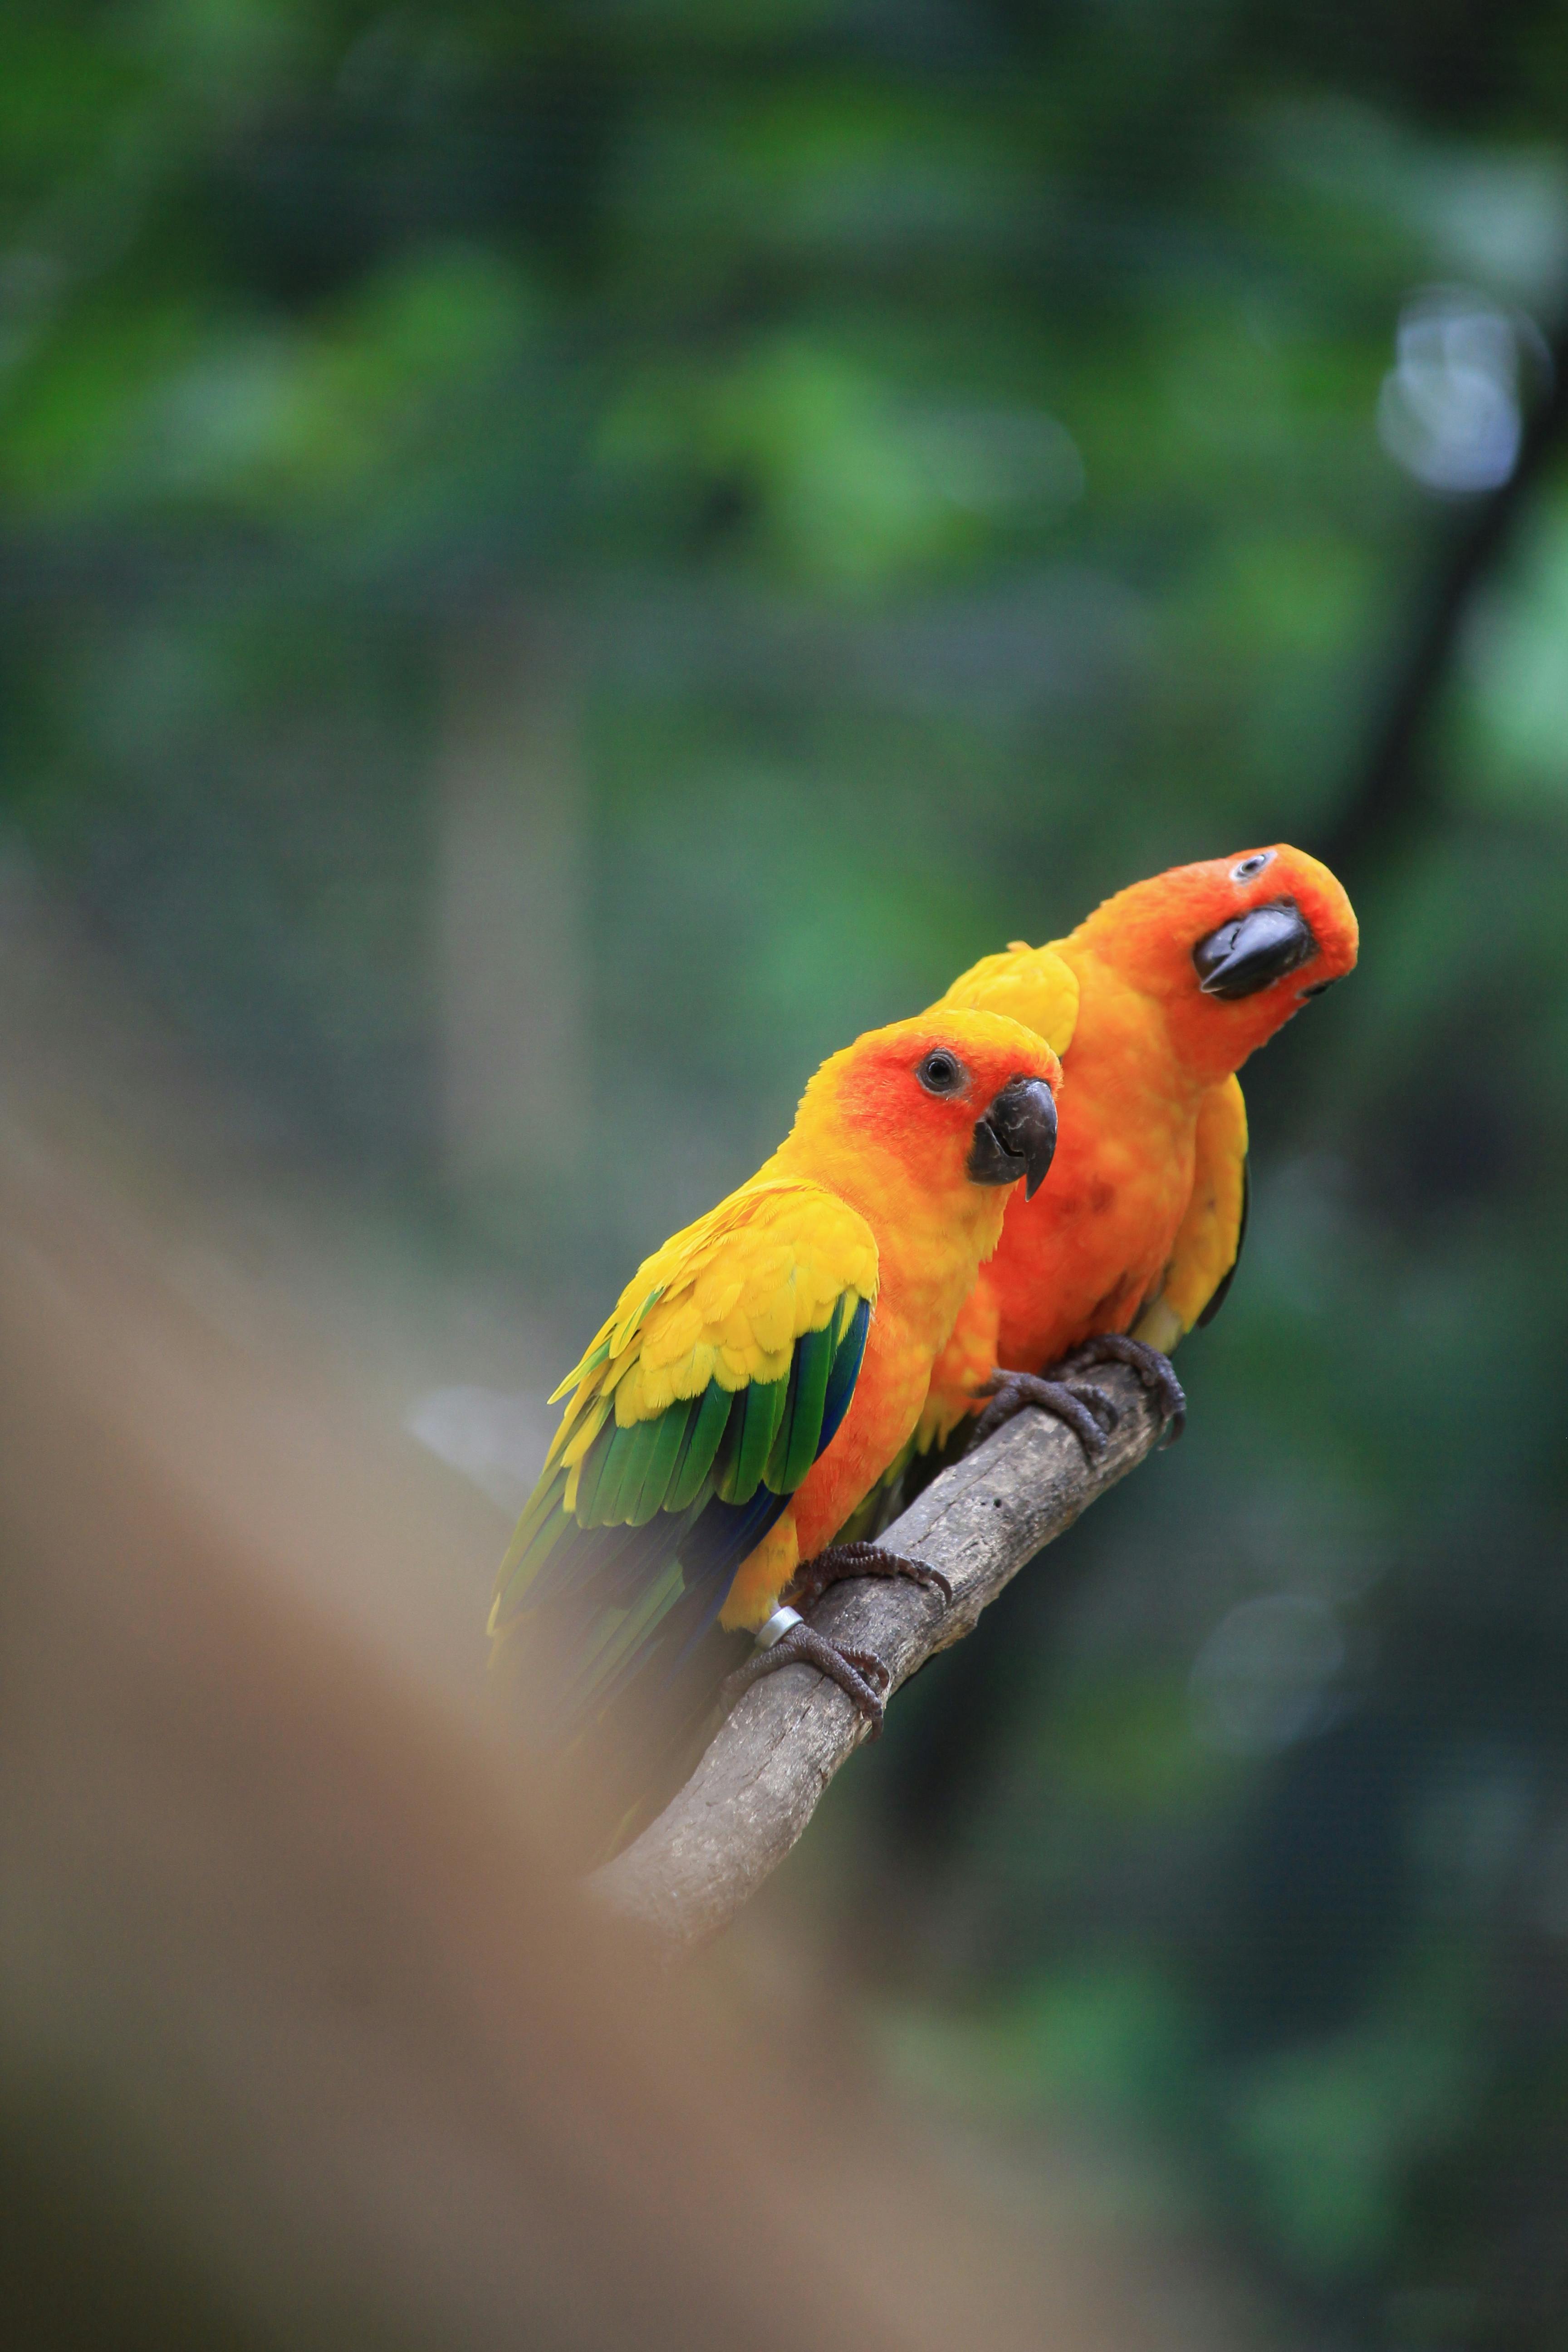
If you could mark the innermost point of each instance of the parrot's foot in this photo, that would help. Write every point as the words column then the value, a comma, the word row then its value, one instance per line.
column 841, row 1561
column 1155, row 1370
column 859, row 1672
column 1088, row 1412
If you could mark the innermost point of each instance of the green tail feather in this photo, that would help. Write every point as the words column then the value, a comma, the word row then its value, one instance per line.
column 541, row 1530
column 618, row 1634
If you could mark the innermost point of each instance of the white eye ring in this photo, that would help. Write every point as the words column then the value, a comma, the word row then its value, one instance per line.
column 1248, row 867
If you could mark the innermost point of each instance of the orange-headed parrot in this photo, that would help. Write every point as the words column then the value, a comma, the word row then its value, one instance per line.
column 1153, row 1001
column 762, row 1369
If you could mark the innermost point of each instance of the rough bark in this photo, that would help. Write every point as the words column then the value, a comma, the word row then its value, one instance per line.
column 764, row 1772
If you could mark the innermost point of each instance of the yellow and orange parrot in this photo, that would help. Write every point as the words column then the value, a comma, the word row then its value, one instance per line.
column 762, row 1369
column 1153, row 1003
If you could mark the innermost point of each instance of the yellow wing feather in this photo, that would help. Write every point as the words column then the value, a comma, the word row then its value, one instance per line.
column 1210, row 1232
column 725, row 1299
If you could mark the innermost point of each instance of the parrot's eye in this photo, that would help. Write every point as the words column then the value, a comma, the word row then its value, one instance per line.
column 942, row 1073
column 1248, row 867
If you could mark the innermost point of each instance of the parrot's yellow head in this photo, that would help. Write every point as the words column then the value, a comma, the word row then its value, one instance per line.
column 950, row 1107
column 1230, row 948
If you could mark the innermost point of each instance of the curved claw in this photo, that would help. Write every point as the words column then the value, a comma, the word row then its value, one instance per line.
column 1100, row 1402
column 841, row 1561
column 1156, row 1372
column 858, row 1673
column 1078, row 1404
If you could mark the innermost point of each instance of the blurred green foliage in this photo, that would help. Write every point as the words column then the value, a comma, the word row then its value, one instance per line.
column 948, row 435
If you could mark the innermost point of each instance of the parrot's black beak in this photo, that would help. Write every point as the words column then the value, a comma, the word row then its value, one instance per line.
column 1253, row 950
column 1017, row 1137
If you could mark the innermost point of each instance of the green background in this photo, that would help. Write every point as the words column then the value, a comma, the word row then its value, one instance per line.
column 557, row 562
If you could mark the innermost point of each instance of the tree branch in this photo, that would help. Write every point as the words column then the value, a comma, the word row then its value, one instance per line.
column 763, row 1774
column 1397, row 784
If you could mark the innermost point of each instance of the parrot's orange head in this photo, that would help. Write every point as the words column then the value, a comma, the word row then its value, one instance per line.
column 1231, row 947
column 955, row 1104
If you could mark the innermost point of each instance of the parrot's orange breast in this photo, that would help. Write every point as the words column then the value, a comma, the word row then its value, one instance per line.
column 1093, row 1243
column 911, row 1321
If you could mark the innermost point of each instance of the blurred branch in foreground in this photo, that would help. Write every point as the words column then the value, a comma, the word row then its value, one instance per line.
column 761, row 1778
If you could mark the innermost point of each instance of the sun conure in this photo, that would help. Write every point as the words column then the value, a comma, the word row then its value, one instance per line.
column 762, row 1369
column 1153, row 1001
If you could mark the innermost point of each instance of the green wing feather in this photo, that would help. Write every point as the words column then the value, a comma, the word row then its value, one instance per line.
column 762, row 1411
column 694, row 1465
column 795, row 1446
column 650, row 1499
